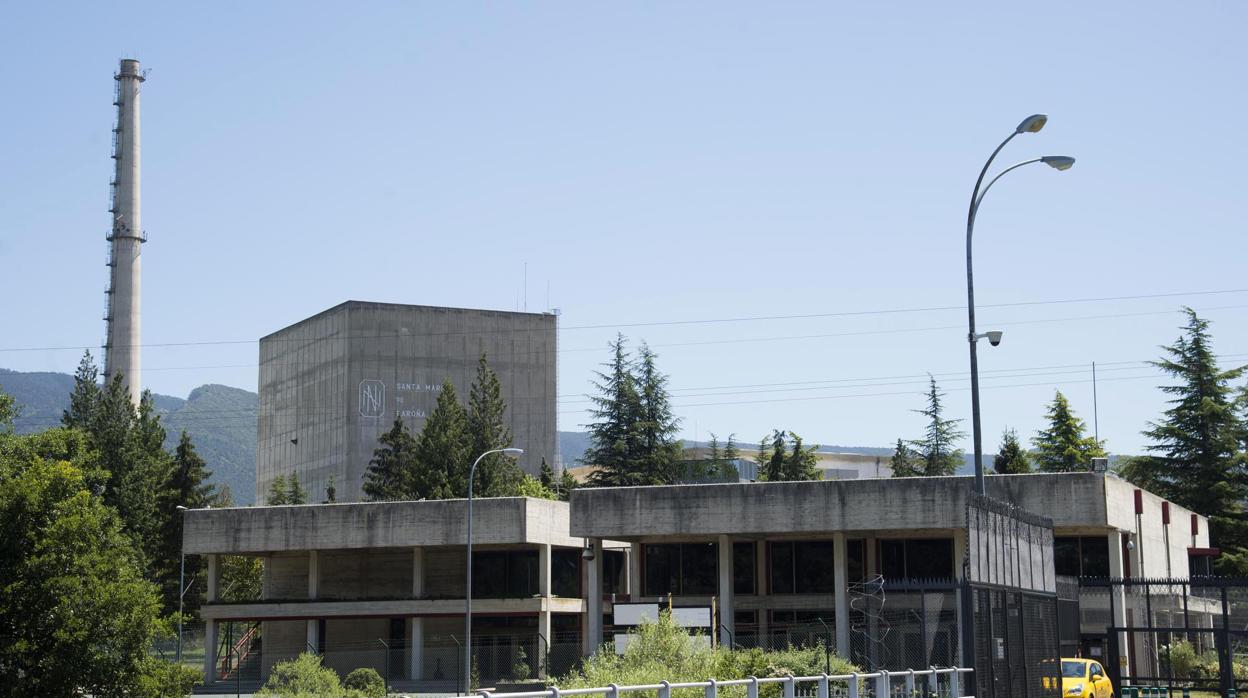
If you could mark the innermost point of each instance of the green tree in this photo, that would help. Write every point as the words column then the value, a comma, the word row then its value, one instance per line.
column 730, row 452
column 76, row 613
column 1196, row 450
column 392, row 471
column 331, row 492
column 442, row 450
column 787, row 459
column 497, row 474
column 530, row 486
column 85, row 397
column 657, row 425
column 1011, row 459
column 614, row 441
column 187, row 486
column 1063, row 446
column 295, row 494
column 567, row 483
column 278, row 492
column 905, row 462
column 936, row 451
column 547, row 475
column 8, row 412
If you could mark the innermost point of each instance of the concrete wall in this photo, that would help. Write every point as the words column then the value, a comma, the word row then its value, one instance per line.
column 501, row 521
column 318, row 379
column 283, row 640
column 1161, row 551
column 365, row 574
column 351, row 643
column 286, row 576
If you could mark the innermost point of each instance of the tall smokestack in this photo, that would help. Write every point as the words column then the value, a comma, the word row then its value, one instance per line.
column 121, row 349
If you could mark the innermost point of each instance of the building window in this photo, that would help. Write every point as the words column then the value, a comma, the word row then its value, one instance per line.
column 682, row 569
column 801, row 567
column 743, row 568
column 1081, row 556
column 613, row 572
column 855, row 561
column 916, row 558
column 565, row 572
column 509, row 574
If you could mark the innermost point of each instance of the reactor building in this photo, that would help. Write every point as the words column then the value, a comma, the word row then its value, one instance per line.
column 331, row 384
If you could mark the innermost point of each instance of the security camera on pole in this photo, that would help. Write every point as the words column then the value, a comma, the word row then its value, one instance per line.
column 1031, row 124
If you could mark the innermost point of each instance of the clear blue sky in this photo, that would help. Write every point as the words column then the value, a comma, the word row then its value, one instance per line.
column 650, row 162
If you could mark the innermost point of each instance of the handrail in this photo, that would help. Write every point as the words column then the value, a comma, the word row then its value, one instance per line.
column 711, row 686
column 224, row 669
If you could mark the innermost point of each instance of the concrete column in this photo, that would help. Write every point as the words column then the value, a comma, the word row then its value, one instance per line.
column 727, row 619
column 416, row 641
column 959, row 554
column 761, row 582
column 840, row 577
column 210, row 651
column 313, row 636
column 314, row 575
column 418, row 573
column 213, row 576
column 627, row 587
column 873, row 565
column 634, row 571
column 593, row 598
column 543, row 627
column 1118, row 570
column 543, row 570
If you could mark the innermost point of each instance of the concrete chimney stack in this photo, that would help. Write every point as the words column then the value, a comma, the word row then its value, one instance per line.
column 121, row 349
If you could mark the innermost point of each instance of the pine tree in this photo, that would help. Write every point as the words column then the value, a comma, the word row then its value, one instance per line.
column 295, row 494
column 84, row 400
column 140, row 475
column 657, row 427
column 441, row 450
column 391, row 472
column 937, row 449
column 567, row 483
column 1197, row 450
column 905, row 462
column 1011, row 459
column 497, row 474
column 800, row 464
column 731, row 452
column 614, row 444
column 187, row 486
column 774, row 469
column 1064, row 447
column 546, row 475
column 278, row 493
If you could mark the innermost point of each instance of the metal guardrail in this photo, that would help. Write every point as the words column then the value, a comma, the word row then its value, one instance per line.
column 881, row 684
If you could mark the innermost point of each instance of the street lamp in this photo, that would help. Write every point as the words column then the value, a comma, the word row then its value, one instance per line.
column 468, row 590
column 1031, row 124
column 181, row 584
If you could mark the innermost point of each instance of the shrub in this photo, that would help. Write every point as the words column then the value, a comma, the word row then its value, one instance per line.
column 367, row 681
column 520, row 670
column 663, row 651
column 160, row 679
column 302, row 676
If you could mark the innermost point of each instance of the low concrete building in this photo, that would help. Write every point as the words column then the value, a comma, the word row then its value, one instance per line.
column 780, row 561
column 381, row 584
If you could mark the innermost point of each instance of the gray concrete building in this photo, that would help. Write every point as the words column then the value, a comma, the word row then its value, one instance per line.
column 777, row 564
column 331, row 384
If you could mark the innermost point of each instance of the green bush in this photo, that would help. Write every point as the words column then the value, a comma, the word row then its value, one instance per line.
column 160, row 679
column 300, row 677
column 663, row 651
column 367, row 681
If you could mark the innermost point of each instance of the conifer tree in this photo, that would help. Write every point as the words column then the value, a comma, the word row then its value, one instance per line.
column 936, row 450
column 774, row 469
column 187, row 486
column 546, row 475
column 800, row 463
column 497, row 474
column 763, row 458
column 1011, row 459
column 85, row 398
column 1197, row 449
column 295, row 494
column 278, row 492
column 730, row 452
column 392, row 471
column 1063, row 446
column 441, row 450
column 657, row 426
column 331, row 492
column 614, row 442
column 8, row 412
column 905, row 463
column 567, row 483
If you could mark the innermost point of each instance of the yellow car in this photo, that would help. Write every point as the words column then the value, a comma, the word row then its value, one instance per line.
column 1085, row 678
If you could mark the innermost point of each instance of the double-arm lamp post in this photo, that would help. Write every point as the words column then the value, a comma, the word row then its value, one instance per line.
column 1031, row 124
column 468, row 588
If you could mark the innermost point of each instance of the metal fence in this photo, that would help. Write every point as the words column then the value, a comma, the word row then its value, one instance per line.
column 928, row 683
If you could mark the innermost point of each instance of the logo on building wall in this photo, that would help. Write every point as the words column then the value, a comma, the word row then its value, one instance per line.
column 372, row 398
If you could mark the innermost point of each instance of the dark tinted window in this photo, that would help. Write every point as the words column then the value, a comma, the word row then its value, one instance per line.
column 743, row 568
column 893, row 559
column 684, row 569
column 565, row 572
column 508, row 574
column 613, row 572
column 813, row 567
column 916, row 558
column 856, row 560
column 781, row 567
column 1094, row 553
column 1066, row 556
